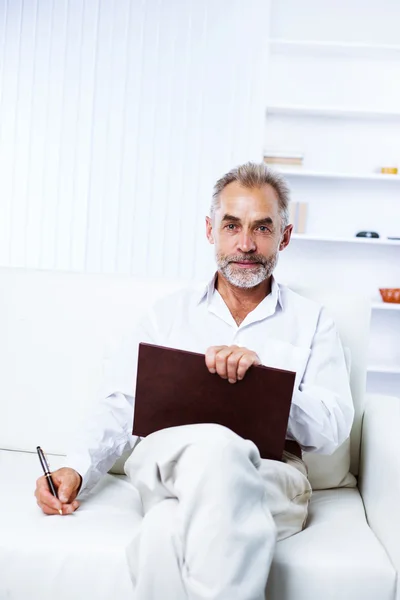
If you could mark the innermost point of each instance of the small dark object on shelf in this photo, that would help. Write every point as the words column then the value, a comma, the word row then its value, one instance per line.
column 367, row 234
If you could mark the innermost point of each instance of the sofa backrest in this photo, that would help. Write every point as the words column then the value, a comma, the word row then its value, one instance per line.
column 352, row 313
column 57, row 329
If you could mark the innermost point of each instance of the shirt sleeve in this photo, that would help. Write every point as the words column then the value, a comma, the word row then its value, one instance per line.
column 107, row 433
column 322, row 409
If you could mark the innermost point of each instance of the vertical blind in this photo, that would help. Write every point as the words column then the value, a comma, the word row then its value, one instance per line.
column 116, row 117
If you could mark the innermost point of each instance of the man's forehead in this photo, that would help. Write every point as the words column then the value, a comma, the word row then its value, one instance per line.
column 261, row 202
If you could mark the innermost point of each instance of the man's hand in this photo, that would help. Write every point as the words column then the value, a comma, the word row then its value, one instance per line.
column 67, row 483
column 230, row 362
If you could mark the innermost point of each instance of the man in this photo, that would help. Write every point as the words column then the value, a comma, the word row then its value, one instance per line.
column 213, row 509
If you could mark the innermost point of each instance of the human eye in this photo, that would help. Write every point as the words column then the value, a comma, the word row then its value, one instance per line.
column 263, row 229
column 230, row 226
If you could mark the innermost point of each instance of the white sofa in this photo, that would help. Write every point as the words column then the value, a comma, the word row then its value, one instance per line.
column 57, row 330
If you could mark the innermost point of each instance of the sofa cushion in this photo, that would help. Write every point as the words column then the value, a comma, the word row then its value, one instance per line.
column 326, row 472
column 332, row 471
column 82, row 555
column 351, row 313
column 336, row 557
column 79, row 556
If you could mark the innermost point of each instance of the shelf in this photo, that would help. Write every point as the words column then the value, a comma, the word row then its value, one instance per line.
column 338, row 112
column 353, row 240
column 300, row 172
column 340, row 48
column 383, row 369
column 385, row 306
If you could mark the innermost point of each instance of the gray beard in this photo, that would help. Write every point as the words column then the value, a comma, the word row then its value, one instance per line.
column 247, row 278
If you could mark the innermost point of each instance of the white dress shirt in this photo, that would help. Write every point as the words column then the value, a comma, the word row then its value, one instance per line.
column 286, row 330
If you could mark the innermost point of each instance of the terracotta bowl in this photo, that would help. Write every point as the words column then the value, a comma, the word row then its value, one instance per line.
column 390, row 295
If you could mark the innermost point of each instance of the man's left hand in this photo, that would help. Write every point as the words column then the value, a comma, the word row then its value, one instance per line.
column 230, row 362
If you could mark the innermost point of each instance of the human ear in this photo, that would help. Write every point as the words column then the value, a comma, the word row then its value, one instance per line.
column 209, row 230
column 285, row 237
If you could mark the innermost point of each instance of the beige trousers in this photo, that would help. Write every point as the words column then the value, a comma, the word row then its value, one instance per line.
column 212, row 513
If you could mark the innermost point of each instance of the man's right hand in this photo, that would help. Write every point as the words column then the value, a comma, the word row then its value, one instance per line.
column 67, row 483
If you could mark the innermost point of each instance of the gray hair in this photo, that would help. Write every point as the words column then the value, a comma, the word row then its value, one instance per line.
column 255, row 175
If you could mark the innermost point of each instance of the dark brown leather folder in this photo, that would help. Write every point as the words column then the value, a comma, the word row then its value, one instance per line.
column 174, row 387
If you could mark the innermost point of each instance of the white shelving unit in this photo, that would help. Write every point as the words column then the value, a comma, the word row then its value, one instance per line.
column 322, row 105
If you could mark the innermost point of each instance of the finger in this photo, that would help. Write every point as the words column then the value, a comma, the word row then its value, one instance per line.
column 44, row 496
column 245, row 362
column 232, row 364
column 221, row 360
column 41, row 483
column 211, row 354
column 47, row 509
column 68, row 509
column 66, row 484
column 47, row 504
column 66, row 493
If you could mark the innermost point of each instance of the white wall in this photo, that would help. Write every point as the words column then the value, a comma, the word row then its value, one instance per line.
column 116, row 117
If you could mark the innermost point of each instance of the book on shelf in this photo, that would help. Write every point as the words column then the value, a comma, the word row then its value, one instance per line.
column 298, row 216
column 283, row 158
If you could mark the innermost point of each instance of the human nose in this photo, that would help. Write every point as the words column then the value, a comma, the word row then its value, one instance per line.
column 246, row 242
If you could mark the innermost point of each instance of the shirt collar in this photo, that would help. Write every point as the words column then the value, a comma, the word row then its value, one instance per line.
column 208, row 291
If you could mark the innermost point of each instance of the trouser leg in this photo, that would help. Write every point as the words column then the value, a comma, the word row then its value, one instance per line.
column 287, row 492
column 225, row 534
column 154, row 555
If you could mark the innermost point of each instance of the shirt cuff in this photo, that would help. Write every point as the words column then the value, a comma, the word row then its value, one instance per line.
column 83, row 466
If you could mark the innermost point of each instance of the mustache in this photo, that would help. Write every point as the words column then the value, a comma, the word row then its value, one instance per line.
column 254, row 258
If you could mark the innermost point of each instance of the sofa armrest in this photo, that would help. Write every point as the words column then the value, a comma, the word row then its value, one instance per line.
column 379, row 480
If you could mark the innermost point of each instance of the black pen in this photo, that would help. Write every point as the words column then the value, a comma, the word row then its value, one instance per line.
column 47, row 473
